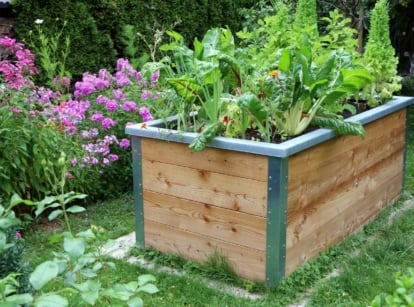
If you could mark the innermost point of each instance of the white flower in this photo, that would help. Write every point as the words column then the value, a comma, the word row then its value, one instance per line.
column 38, row 21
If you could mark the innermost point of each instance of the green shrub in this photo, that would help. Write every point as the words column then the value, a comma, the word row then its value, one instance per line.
column 90, row 47
column 11, row 260
column 95, row 27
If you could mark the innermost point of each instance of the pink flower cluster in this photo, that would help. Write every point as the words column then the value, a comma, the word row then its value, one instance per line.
column 97, row 113
column 106, row 103
column 16, row 63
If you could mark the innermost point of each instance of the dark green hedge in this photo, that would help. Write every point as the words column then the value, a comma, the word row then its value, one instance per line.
column 94, row 26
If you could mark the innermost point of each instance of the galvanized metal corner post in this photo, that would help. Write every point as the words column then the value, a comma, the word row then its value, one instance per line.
column 137, row 190
column 276, row 220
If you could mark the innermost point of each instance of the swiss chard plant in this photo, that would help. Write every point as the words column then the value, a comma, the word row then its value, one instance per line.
column 302, row 92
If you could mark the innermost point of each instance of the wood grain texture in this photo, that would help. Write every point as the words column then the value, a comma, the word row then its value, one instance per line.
column 215, row 189
column 248, row 263
column 232, row 163
column 211, row 221
column 336, row 187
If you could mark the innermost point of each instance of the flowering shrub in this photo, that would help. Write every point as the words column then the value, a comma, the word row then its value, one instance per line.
column 39, row 123
column 30, row 141
column 101, row 107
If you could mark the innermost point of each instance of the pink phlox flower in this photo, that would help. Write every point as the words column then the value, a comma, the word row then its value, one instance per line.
column 129, row 106
column 107, row 123
column 73, row 161
column 16, row 110
column 124, row 66
column 18, row 235
column 69, row 175
column 101, row 84
column 122, row 79
column 83, row 88
column 101, row 99
column 146, row 95
column 111, row 105
column 97, row 117
column 119, row 94
column 124, row 143
column 138, row 76
column 145, row 114
column 155, row 76
column 113, row 157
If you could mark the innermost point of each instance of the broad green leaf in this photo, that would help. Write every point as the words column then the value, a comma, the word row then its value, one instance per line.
column 198, row 49
column 135, row 302
column 20, row 299
column 16, row 200
column 285, row 60
column 43, row 273
column 75, row 209
column 75, row 247
column 86, row 234
column 148, row 288
column 326, row 69
column 252, row 104
column 145, row 278
column 358, row 78
column 9, row 304
column 89, row 291
column 73, row 196
column 54, row 214
column 211, row 43
column 186, row 88
column 208, row 72
column 49, row 300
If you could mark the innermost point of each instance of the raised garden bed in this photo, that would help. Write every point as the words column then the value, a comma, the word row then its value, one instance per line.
column 266, row 207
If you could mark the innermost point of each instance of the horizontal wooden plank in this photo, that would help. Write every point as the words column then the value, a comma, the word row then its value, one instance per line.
column 234, row 193
column 341, row 212
column 341, row 161
column 248, row 263
column 227, row 225
column 227, row 162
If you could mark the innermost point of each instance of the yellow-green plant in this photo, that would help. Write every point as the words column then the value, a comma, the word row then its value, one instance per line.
column 379, row 58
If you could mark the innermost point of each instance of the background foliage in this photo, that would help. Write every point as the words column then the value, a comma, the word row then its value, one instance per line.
column 95, row 27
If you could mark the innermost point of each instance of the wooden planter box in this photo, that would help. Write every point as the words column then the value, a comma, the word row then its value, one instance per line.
column 267, row 207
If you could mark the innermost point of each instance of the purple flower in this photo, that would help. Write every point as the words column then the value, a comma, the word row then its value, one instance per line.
column 107, row 123
column 145, row 95
column 145, row 114
column 119, row 94
column 124, row 143
column 69, row 175
column 97, row 117
column 129, row 106
column 74, row 161
column 18, row 235
column 155, row 76
column 83, row 89
column 122, row 79
column 111, row 105
column 113, row 157
column 101, row 99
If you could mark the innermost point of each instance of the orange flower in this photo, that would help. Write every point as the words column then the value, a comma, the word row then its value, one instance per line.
column 274, row 73
column 143, row 125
